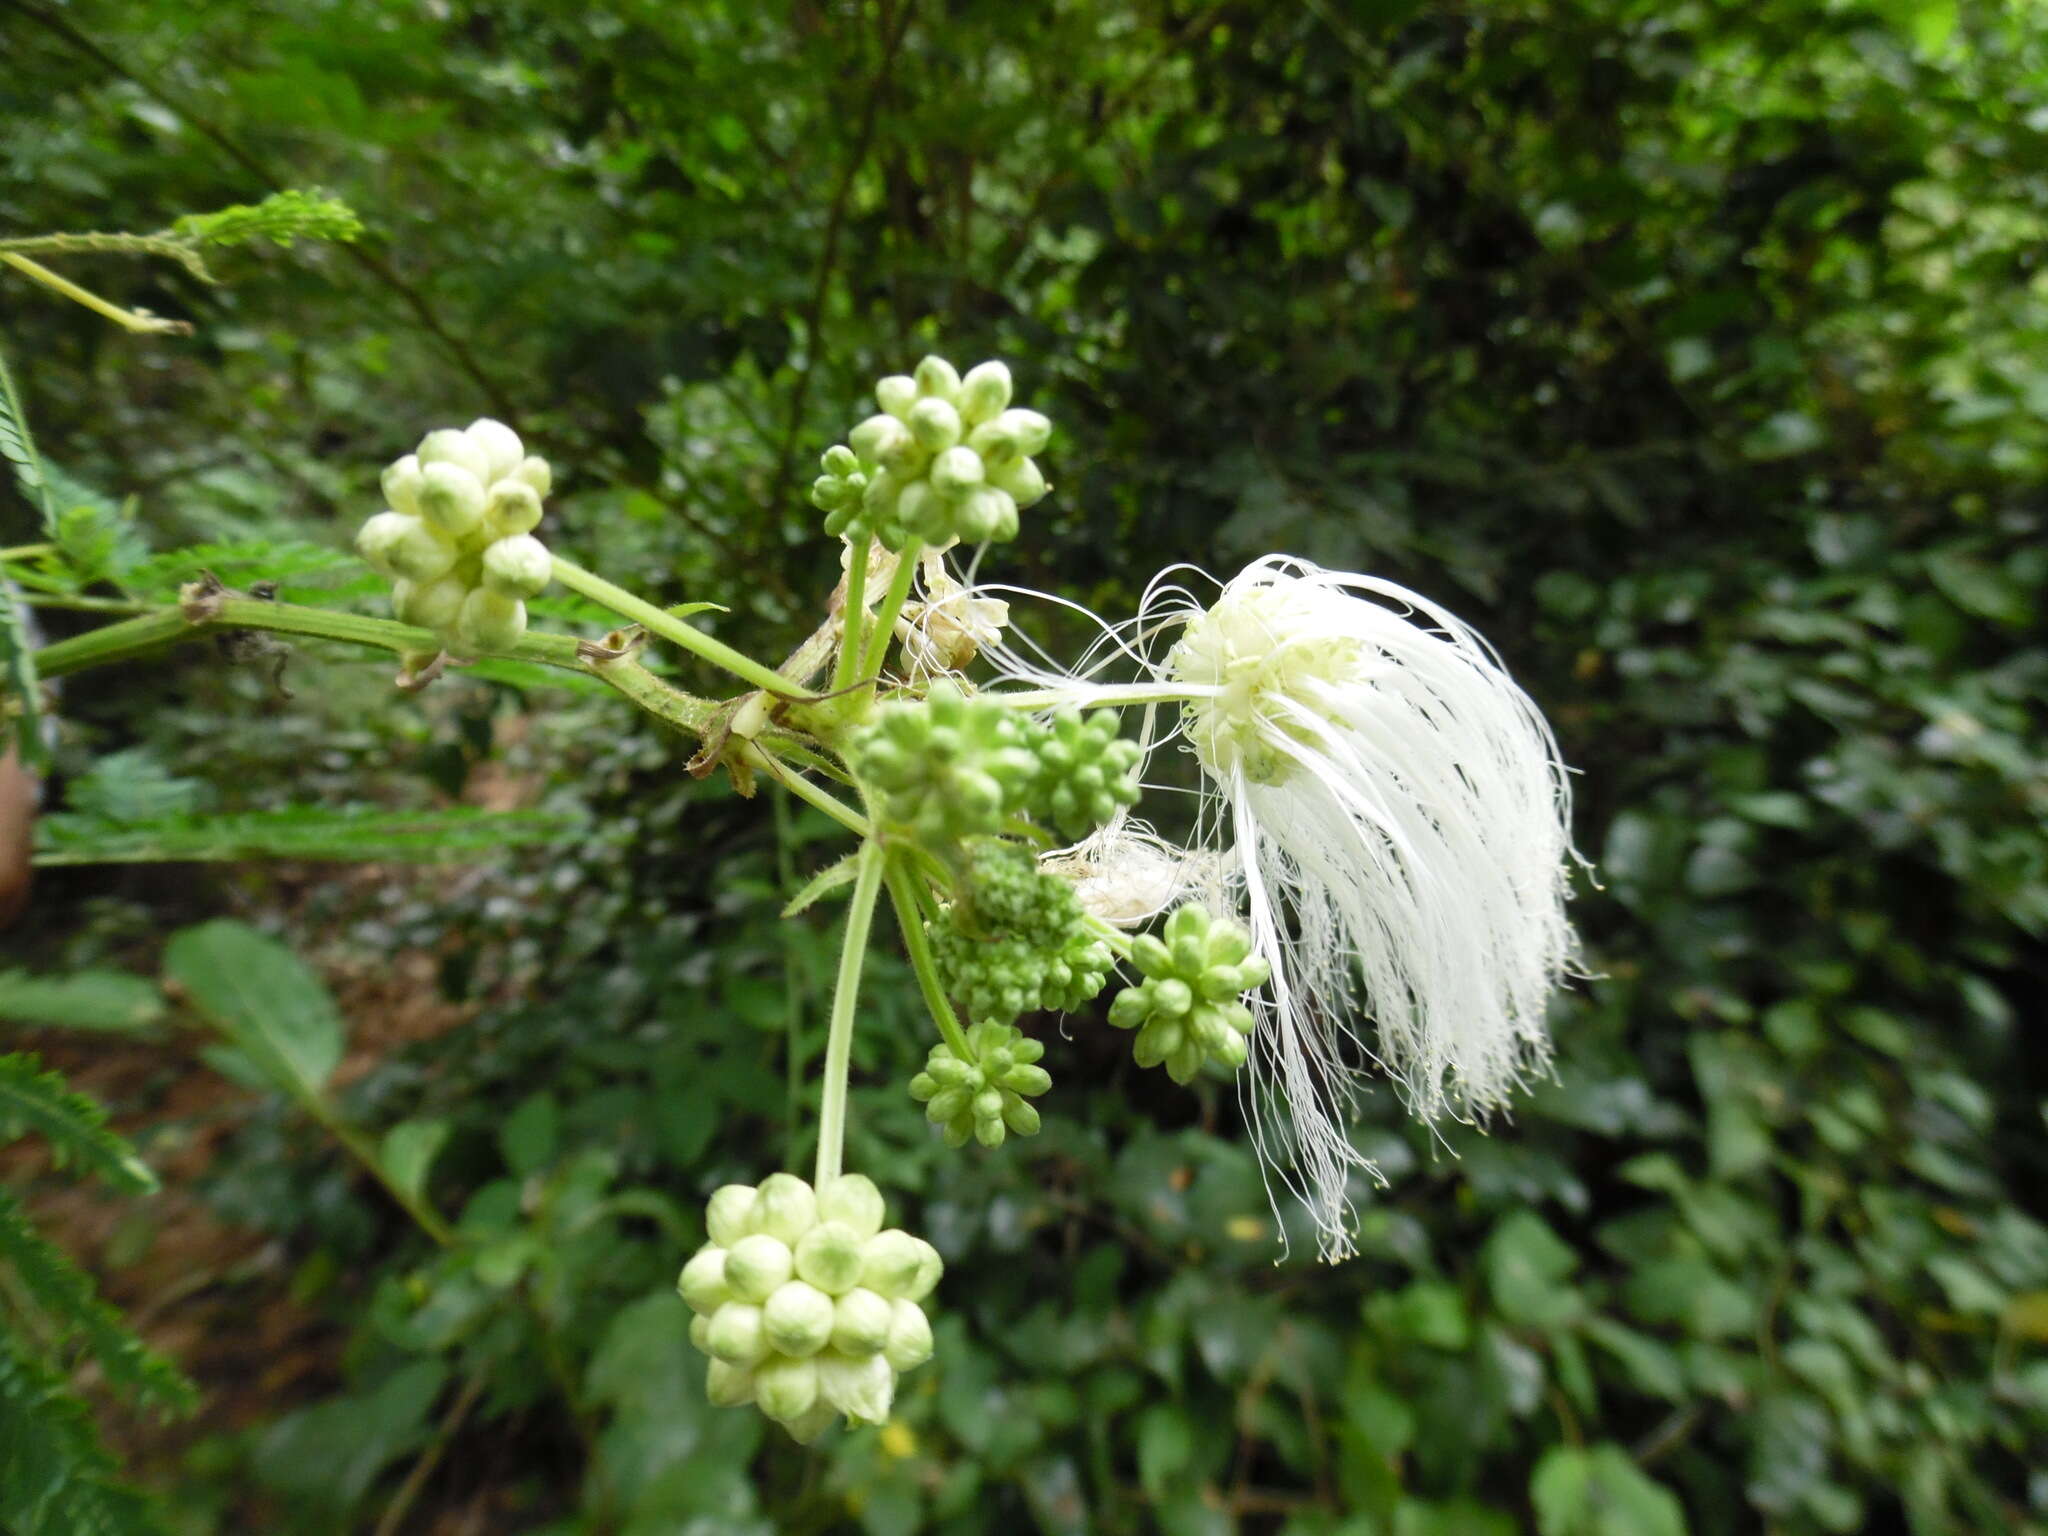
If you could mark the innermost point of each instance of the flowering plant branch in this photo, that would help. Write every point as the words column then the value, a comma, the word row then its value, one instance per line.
column 1374, row 876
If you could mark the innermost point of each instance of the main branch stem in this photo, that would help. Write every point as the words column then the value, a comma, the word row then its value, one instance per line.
column 665, row 624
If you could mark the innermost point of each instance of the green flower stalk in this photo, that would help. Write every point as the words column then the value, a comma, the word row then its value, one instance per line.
column 806, row 1305
column 983, row 1096
column 1189, row 1010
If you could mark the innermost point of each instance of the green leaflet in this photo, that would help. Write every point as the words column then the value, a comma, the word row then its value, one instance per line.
column 56, row 1479
column 75, row 1127
column 71, row 1302
column 22, row 692
column 298, row 832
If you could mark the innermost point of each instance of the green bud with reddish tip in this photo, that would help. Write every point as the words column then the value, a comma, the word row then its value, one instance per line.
column 757, row 1265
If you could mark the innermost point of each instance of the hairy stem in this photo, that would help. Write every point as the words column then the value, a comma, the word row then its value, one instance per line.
column 803, row 789
column 860, row 915
column 904, row 897
column 665, row 624
column 152, row 631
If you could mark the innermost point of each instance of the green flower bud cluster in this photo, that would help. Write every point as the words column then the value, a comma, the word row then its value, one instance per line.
column 457, row 541
column 1086, row 772
column 1189, row 1008
column 945, row 459
column 805, row 1305
column 948, row 766
column 952, row 767
column 1017, row 940
column 984, row 1096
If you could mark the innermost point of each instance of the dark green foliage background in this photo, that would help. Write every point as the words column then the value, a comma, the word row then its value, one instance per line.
column 1692, row 350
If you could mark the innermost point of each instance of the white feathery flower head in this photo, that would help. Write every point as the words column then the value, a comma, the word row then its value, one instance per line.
column 1393, row 814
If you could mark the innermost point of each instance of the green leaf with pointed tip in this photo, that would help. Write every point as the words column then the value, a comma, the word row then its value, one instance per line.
column 263, row 999
column 833, row 877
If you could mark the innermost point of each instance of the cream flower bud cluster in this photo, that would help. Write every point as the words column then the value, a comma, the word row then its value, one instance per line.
column 457, row 540
column 806, row 1305
column 945, row 459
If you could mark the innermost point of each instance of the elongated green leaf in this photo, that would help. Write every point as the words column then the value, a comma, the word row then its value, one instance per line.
column 263, row 999
column 75, row 1127
column 299, row 832
column 109, row 1000
column 832, row 877
column 72, row 1304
